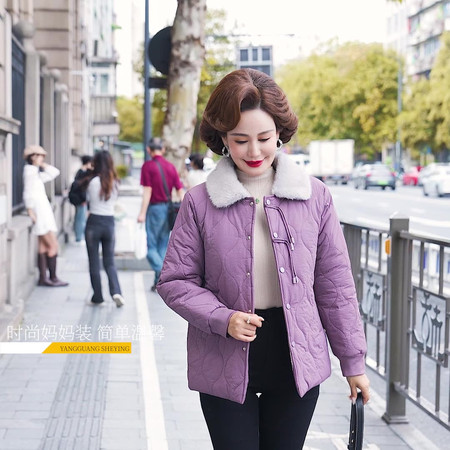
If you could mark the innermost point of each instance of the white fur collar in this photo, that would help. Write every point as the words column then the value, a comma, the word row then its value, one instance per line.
column 224, row 188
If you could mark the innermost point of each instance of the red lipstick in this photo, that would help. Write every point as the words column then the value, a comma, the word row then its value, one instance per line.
column 254, row 163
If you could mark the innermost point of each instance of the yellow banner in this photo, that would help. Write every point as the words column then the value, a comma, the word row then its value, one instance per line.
column 88, row 347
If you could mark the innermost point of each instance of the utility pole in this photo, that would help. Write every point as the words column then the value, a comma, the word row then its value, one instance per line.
column 147, row 105
column 398, row 144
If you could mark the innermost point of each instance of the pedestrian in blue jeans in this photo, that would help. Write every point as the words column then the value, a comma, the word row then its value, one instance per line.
column 102, row 193
column 154, row 206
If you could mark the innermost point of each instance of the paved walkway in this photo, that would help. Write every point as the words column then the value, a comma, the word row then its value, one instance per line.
column 140, row 400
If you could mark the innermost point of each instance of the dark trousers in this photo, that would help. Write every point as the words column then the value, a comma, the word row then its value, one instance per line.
column 278, row 418
column 100, row 229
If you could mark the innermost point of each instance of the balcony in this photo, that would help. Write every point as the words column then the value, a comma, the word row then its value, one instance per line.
column 103, row 110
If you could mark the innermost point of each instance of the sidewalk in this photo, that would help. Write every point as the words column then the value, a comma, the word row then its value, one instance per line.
column 140, row 400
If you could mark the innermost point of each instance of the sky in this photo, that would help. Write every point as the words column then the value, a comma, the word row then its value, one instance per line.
column 293, row 27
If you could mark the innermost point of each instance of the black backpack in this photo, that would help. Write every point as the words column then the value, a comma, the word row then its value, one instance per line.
column 77, row 193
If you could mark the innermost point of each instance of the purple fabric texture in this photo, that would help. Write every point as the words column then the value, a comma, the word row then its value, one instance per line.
column 207, row 276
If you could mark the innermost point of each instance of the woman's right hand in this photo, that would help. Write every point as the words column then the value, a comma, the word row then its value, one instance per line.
column 32, row 215
column 242, row 326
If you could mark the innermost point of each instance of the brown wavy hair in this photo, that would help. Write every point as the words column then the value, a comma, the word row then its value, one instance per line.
column 244, row 90
column 104, row 169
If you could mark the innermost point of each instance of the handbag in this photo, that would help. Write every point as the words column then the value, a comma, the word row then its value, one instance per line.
column 140, row 242
column 355, row 438
column 174, row 207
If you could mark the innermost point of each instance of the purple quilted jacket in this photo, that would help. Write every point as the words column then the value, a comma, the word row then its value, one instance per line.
column 207, row 276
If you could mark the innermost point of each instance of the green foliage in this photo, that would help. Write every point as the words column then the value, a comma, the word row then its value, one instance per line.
column 122, row 171
column 440, row 94
column 425, row 120
column 348, row 92
column 130, row 116
column 218, row 62
column 417, row 130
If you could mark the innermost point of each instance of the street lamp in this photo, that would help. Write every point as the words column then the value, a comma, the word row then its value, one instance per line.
column 147, row 106
column 398, row 144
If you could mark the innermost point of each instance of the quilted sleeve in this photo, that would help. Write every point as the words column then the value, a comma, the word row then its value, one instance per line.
column 181, row 280
column 335, row 294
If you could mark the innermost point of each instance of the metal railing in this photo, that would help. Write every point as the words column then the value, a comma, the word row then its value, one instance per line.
column 403, row 287
column 103, row 109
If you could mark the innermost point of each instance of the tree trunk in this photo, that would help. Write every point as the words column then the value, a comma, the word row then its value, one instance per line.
column 186, row 61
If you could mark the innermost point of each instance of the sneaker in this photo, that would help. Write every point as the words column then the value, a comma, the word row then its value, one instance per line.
column 153, row 288
column 118, row 300
column 96, row 302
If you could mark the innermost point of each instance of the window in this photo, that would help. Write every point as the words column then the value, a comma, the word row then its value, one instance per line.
column 244, row 54
column 266, row 54
column 254, row 54
column 104, row 81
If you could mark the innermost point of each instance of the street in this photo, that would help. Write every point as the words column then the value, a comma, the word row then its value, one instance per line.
column 373, row 207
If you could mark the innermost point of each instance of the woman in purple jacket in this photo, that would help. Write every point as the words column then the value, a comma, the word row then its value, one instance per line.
column 258, row 266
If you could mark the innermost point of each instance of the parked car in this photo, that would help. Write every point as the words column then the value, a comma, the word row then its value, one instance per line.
column 427, row 170
column 411, row 176
column 355, row 170
column 438, row 181
column 374, row 175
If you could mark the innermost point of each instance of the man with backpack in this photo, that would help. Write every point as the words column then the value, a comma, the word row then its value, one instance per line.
column 77, row 196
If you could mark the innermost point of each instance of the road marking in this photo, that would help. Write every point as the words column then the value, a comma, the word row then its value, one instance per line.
column 373, row 223
column 431, row 222
column 154, row 415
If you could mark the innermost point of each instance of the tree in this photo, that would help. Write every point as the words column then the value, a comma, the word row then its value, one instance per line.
column 440, row 95
column 130, row 116
column 217, row 63
column 417, row 128
column 188, row 51
column 347, row 92
column 425, row 119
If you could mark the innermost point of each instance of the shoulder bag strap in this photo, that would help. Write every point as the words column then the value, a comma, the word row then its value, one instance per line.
column 163, row 177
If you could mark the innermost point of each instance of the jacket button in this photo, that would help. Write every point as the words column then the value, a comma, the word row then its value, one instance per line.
column 282, row 269
column 244, row 348
column 275, row 235
column 292, row 344
column 251, row 203
column 249, row 237
column 288, row 306
column 267, row 202
column 248, row 274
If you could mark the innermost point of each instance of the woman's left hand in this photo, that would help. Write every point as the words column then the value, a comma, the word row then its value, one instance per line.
column 362, row 383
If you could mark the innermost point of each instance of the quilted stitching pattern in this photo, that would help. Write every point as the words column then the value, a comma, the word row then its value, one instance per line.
column 207, row 277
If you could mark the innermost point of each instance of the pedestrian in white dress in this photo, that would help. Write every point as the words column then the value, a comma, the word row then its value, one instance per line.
column 35, row 173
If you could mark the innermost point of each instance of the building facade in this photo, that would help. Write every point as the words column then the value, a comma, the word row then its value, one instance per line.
column 259, row 57
column 103, row 60
column 414, row 30
column 47, row 97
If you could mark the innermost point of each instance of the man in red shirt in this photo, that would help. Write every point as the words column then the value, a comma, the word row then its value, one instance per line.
column 154, row 207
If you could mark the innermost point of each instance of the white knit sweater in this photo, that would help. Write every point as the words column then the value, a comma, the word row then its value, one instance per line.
column 266, row 288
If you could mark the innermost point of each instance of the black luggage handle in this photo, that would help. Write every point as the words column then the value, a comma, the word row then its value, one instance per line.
column 355, row 438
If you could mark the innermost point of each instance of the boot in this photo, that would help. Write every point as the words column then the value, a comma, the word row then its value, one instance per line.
column 56, row 282
column 42, row 265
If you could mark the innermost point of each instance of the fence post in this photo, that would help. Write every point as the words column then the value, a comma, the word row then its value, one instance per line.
column 352, row 237
column 397, row 322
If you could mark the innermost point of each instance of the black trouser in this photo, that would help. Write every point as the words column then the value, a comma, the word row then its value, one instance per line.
column 101, row 229
column 279, row 418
